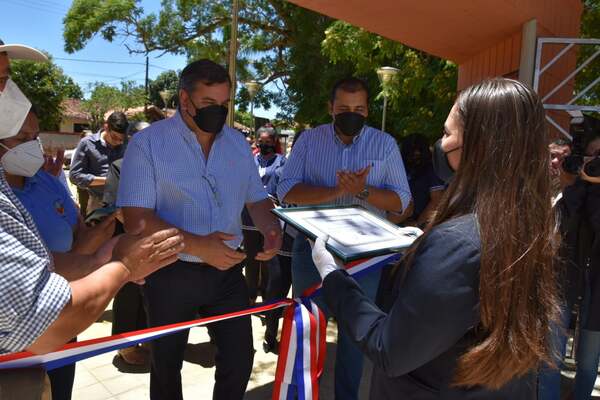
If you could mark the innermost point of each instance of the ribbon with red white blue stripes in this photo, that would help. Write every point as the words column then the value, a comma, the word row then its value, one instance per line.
column 73, row 352
column 302, row 355
column 300, row 362
column 302, row 358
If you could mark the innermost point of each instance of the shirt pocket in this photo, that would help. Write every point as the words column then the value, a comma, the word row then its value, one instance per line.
column 377, row 172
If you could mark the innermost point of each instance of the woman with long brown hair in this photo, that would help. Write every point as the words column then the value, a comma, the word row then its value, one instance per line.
column 474, row 298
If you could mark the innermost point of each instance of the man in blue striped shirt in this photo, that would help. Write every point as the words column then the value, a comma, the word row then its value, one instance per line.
column 192, row 172
column 343, row 163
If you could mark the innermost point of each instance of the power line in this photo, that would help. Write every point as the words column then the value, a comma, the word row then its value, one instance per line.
column 45, row 4
column 102, row 75
column 34, row 8
column 52, row 3
column 109, row 62
column 99, row 61
column 92, row 74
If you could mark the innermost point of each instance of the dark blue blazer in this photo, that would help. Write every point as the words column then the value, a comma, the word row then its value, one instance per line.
column 429, row 322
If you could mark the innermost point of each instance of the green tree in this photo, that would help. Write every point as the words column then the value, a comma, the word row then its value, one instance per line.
column 244, row 118
column 421, row 94
column 105, row 98
column 590, row 28
column 46, row 86
column 301, row 51
column 196, row 28
column 167, row 80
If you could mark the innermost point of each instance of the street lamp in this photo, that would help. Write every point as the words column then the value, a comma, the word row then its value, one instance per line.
column 252, row 87
column 166, row 96
column 386, row 74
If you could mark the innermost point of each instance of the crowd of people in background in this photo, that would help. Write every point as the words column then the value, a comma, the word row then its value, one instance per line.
column 176, row 223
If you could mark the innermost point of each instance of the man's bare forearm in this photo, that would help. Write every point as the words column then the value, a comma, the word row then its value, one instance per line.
column 384, row 199
column 304, row 194
column 152, row 223
column 262, row 216
column 89, row 298
column 72, row 266
column 398, row 218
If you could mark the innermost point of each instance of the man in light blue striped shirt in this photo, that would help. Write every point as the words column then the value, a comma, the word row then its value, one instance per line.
column 344, row 163
column 192, row 172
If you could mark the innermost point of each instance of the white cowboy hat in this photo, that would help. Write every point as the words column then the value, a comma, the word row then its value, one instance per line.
column 22, row 52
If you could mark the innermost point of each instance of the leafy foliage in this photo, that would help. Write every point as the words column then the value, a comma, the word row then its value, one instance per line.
column 105, row 98
column 590, row 28
column 167, row 80
column 303, row 52
column 46, row 86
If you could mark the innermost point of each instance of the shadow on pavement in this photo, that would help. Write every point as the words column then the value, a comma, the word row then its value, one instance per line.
column 202, row 354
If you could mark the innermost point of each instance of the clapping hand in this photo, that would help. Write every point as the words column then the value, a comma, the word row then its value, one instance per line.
column 353, row 182
column 54, row 165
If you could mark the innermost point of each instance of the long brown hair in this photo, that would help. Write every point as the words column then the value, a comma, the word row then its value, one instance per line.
column 504, row 179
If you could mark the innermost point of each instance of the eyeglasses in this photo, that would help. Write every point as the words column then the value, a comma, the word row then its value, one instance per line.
column 212, row 184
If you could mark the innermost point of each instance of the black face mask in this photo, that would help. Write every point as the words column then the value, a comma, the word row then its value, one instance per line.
column 210, row 118
column 349, row 123
column 441, row 166
column 266, row 149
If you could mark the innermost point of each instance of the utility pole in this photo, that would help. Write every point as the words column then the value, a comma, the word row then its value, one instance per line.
column 233, row 61
column 146, row 85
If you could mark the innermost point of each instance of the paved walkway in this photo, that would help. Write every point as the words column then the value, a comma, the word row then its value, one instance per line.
column 105, row 377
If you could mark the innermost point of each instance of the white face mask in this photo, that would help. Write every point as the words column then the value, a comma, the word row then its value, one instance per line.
column 24, row 160
column 14, row 107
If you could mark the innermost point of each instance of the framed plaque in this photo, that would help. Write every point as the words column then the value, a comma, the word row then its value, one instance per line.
column 354, row 232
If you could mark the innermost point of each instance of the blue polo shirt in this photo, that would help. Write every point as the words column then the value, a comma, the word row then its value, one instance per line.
column 52, row 209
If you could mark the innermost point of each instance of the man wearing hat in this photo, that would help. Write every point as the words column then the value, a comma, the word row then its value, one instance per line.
column 39, row 309
column 12, row 119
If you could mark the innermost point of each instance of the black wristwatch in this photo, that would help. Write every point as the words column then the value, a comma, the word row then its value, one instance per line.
column 364, row 194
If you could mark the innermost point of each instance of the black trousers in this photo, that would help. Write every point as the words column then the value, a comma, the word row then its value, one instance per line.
column 61, row 381
column 257, row 272
column 280, row 281
column 128, row 310
column 178, row 293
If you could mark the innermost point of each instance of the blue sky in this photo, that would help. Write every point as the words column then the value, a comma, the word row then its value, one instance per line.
column 38, row 23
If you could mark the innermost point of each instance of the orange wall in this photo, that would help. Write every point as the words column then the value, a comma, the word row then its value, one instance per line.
column 503, row 58
column 556, row 18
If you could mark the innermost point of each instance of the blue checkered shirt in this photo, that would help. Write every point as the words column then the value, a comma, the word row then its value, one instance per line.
column 32, row 295
column 319, row 154
column 165, row 170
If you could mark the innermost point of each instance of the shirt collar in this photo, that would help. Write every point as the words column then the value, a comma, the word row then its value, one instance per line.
column 97, row 137
column 355, row 139
column 263, row 160
column 30, row 182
